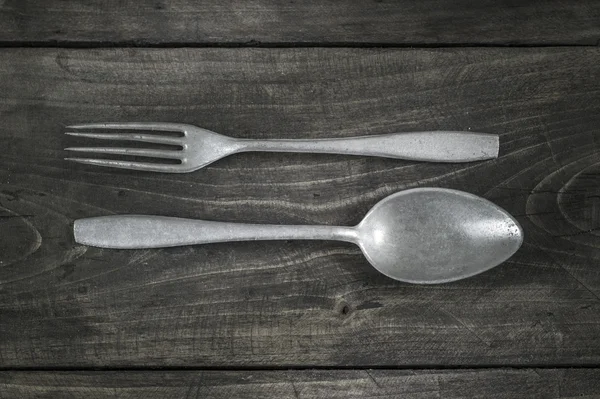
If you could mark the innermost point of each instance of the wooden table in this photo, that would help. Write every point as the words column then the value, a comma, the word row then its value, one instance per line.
column 297, row 319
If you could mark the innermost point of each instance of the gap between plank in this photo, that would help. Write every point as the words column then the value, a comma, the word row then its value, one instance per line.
column 258, row 44
column 300, row 368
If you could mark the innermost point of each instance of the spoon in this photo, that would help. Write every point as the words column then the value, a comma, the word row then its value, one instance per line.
column 421, row 235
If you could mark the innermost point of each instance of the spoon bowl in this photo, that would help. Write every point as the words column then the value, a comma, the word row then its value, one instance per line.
column 436, row 235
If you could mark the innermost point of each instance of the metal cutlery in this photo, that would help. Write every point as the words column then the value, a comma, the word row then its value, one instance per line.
column 194, row 147
column 421, row 235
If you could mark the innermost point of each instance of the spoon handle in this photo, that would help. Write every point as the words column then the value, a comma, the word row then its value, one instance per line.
column 141, row 231
column 436, row 146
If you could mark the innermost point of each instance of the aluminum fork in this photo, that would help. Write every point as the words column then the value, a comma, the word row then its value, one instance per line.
column 195, row 147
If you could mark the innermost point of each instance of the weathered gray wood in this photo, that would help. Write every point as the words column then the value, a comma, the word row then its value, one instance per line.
column 313, row 21
column 405, row 384
column 297, row 303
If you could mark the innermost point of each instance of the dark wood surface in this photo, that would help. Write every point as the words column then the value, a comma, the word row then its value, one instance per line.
column 342, row 384
column 288, row 304
column 297, row 319
column 403, row 22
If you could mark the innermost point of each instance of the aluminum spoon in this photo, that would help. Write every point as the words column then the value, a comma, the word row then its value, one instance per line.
column 421, row 235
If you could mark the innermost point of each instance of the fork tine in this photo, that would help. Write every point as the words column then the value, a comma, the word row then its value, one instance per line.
column 145, row 166
column 173, row 154
column 145, row 138
column 161, row 126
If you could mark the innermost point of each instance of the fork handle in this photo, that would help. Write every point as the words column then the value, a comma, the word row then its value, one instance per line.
column 141, row 231
column 435, row 146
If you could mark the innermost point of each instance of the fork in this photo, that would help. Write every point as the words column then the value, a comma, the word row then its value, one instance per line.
column 195, row 147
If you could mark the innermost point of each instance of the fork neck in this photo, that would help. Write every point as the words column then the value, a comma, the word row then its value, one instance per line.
column 328, row 146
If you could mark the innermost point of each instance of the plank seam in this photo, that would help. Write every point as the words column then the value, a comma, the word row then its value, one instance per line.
column 257, row 44
column 300, row 368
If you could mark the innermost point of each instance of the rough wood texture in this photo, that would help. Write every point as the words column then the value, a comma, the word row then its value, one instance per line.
column 313, row 21
column 406, row 384
column 297, row 303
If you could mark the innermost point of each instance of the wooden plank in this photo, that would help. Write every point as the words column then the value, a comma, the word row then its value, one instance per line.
column 297, row 303
column 269, row 21
column 406, row 384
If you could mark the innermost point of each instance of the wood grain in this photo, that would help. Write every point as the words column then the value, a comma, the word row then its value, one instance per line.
column 526, row 22
column 297, row 303
column 405, row 384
